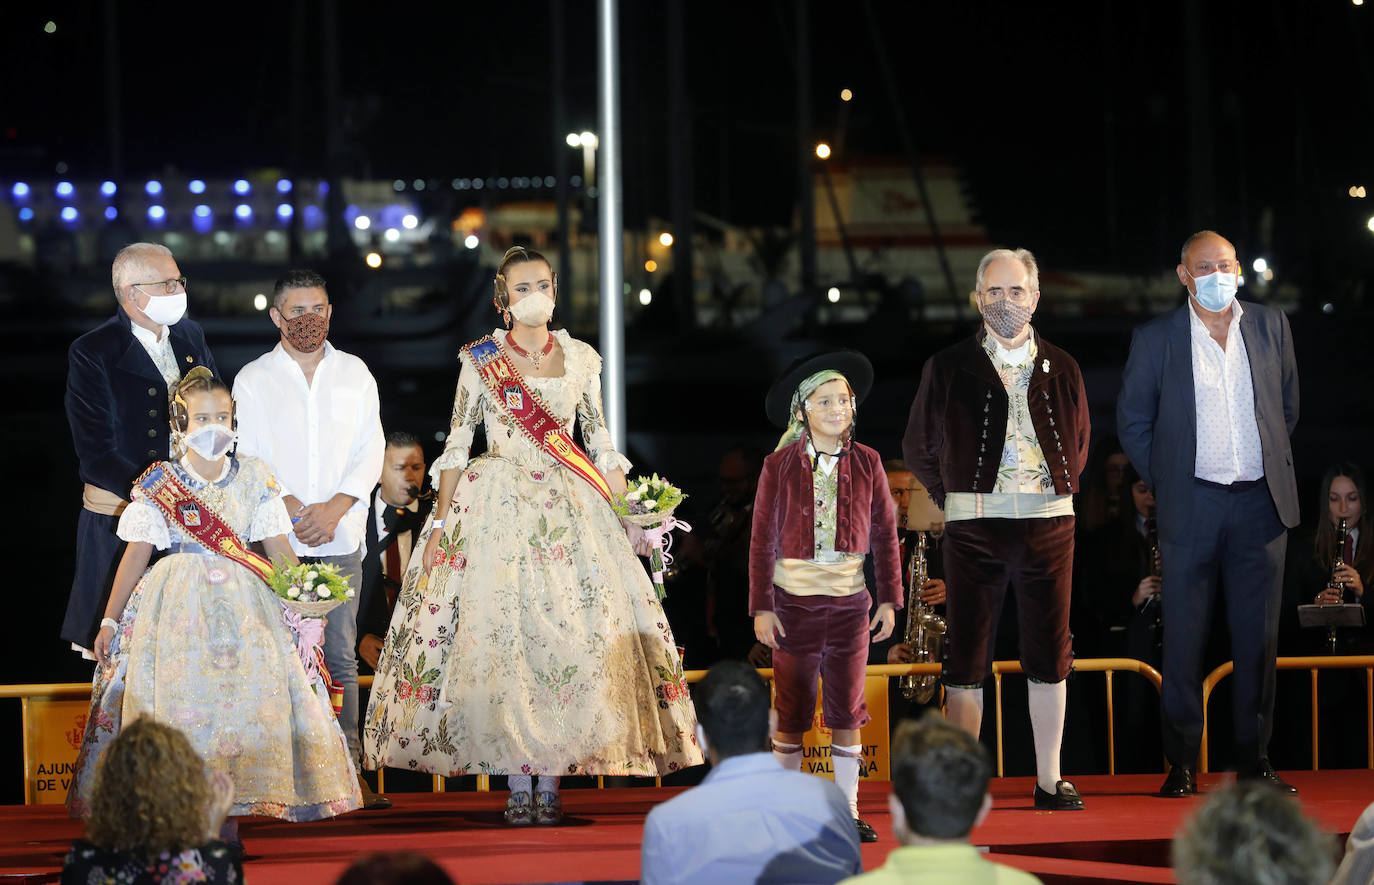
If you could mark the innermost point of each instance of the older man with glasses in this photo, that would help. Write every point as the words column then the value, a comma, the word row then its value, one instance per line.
column 118, row 379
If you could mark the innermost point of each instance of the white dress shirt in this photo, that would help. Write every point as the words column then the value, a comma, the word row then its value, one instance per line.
column 404, row 541
column 1228, row 442
column 159, row 348
column 320, row 438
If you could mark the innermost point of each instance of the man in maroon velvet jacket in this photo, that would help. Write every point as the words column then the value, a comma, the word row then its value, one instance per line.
column 998, row 434
column 822, row 504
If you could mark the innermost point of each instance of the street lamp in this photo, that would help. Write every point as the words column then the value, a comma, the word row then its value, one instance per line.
column 588, row 142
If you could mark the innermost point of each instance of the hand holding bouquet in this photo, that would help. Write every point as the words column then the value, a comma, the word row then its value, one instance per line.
column 308, row 591
column 649, row 503
column 311, row 589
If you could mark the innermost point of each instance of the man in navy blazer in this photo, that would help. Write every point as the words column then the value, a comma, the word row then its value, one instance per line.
column 118, row 378
column 1208, row 400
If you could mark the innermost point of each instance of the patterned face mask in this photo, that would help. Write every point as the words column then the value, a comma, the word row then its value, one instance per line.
column 306, row 333
column 1006, row 317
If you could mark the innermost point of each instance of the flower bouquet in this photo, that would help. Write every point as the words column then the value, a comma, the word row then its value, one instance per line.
column 308, row 591
column 649, row 503
column 311, row 589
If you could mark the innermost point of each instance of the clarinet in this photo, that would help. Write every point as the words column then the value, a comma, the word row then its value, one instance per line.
column 1152, row 607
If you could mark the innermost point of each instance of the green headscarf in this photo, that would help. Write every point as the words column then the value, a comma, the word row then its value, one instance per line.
column 795, row 426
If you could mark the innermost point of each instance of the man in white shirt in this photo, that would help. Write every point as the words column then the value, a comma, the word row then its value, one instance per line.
column 118, row 377
column 311, row 411
column 1209, row 398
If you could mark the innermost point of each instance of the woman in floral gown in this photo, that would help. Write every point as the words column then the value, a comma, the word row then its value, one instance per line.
column 527, row 639
column 198, row 642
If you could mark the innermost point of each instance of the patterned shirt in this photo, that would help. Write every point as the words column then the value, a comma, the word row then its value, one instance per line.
column 1228, row 443
column 826, row 486
column 1023, row 467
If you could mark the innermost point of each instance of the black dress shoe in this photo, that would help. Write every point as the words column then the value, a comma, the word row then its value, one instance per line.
column 1064, row 798
column 1265, row 772
column 866, row 833
column 1181, row 782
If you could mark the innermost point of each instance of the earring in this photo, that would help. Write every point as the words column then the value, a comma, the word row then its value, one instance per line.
column 505, row 316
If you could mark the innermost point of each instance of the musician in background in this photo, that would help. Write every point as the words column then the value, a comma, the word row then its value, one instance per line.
column 904, row 486
column 1117, row 614
column 1320, row 570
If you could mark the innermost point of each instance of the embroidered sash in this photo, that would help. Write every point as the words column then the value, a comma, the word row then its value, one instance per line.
column 191, row 516
column 510, row 394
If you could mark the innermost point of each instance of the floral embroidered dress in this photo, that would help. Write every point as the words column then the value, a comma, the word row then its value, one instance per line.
column 201, row 645
column 212, row 864
column 538, row 645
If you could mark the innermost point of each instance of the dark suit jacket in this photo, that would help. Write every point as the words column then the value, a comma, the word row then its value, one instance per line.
column 1156, row 413
column 958, row 422
column 373, row 615
column 117, row 400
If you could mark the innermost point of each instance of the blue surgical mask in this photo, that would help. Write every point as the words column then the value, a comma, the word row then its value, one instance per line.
column 1216, row 290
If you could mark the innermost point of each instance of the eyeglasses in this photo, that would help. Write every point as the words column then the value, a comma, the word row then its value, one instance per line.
column 1015, row 293
column 169, row 287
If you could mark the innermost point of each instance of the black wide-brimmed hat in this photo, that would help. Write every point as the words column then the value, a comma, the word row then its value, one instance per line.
column 854, row 366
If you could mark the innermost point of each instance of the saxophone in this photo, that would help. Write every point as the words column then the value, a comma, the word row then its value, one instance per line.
column 925, row 630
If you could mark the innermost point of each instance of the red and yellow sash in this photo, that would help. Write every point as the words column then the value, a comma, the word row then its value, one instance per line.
column 508, row 390
column 192, row 517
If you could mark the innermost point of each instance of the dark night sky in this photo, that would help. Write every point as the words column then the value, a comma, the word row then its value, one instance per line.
column 1069, row 119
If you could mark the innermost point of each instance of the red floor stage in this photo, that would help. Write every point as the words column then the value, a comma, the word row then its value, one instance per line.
column 1122, row 836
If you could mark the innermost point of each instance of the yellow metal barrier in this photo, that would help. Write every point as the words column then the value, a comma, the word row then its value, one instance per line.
column 79, row 690
column 1313, row 664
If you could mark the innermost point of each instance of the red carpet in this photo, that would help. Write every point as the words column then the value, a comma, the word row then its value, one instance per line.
column 1122, row 836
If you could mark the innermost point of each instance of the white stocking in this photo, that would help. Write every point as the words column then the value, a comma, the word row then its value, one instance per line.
column 1047, row 702
column 846, row 762
column 519, row 783
column 548, row 784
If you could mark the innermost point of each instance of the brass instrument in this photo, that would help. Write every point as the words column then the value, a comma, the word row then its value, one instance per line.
column 925, row 630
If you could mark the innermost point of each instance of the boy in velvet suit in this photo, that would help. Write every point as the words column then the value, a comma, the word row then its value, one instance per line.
column 822, row 504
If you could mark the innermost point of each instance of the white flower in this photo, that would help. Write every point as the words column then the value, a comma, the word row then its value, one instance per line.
column 293, row 592
column 650, row 505
column 322, row 591
column 311, row 575
column 348, row 594
column 632, row 496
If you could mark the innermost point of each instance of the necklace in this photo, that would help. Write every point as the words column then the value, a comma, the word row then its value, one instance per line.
column 532, row 357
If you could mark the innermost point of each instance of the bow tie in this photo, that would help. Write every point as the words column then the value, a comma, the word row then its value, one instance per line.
column 395, row 516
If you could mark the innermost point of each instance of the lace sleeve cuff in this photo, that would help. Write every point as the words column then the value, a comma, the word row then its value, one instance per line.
column 140, row 521
column 450, row 459
column 610, row 460
column 270, row 520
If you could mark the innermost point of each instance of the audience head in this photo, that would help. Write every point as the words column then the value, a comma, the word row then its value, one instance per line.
column 301, row 311
column 151, row 794
column 403, row 469
column 734, row 716
column 940, row 779
column 1251, row 833
column 394, row 868
column 1141, row 497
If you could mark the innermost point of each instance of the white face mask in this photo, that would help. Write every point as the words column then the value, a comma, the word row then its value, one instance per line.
column 211, row 441
column 1216, row 290
column 165, row 310
column 532, row 310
